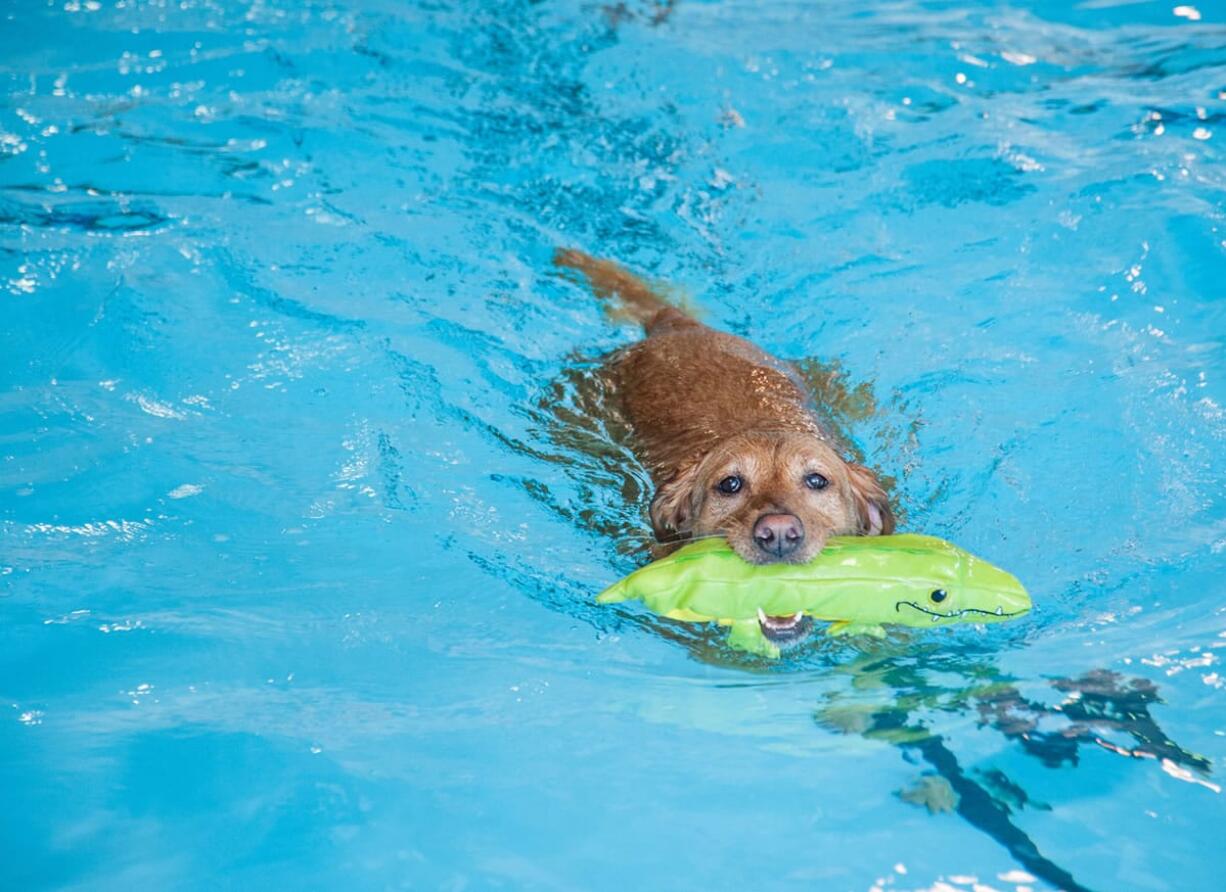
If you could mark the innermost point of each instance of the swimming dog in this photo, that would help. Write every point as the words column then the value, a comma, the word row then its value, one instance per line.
column 730, row 436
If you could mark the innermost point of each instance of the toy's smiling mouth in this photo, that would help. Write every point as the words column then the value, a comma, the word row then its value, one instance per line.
column 937, row 615
column 784, row 630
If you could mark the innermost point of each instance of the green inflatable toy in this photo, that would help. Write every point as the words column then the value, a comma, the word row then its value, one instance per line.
column 857, row 583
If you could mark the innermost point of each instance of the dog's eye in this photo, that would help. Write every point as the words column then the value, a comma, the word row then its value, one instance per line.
column 730, row 485
column 939, row 595
column 816, row 481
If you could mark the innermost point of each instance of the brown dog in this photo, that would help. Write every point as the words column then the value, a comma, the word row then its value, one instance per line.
column 730, row 435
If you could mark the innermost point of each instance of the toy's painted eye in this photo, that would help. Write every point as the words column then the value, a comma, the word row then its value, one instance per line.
column 939, row 595
column 816, row 481
column 730, row 485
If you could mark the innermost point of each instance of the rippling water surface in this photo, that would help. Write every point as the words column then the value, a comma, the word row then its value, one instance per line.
column 303, row 497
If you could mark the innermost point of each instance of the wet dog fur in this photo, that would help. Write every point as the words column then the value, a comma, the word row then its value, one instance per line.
column 729, row 434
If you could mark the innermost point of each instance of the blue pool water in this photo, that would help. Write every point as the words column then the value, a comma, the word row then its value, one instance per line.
column 302, row 506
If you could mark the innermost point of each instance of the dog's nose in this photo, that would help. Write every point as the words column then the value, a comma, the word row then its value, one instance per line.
column 778, row 534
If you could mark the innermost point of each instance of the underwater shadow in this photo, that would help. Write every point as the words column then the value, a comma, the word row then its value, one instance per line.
column 1101, row 709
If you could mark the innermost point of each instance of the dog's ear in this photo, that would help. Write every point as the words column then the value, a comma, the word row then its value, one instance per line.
column 671, row 505
column 872, row 504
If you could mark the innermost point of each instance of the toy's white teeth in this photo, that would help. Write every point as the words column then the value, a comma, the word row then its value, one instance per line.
column 780, row 624
column 1000, row 611
column 935, row 617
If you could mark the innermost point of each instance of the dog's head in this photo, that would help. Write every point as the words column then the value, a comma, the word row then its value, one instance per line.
column 776, row 497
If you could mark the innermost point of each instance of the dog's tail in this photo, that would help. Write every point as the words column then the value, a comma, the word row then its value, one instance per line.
column 638, row 301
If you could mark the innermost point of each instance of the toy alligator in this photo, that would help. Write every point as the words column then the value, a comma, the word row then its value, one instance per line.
column 858, row 584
